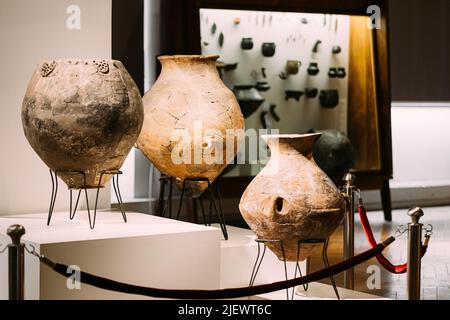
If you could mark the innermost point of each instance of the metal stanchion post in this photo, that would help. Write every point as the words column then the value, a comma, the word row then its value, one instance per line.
column 349, row 229
column 414, row 263
column 16, row 263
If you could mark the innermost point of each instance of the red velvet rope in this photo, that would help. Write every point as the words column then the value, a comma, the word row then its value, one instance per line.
column 397, row 269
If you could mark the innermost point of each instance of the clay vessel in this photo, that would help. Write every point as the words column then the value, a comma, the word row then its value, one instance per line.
column 334, row 153
column 329, row 98
column 82, row 115
column 292, row 199
column 268, row 49
column 247, row 44
column 313, row 69
column 293, row 94
column 341, row 73
column 311, row 92
column 292, row 67
column 249, row 99
column 188, row 93
column 262, row 86
column 332, row 73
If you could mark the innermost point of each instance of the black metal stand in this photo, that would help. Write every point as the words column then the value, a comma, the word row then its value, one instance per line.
column 164, row 207
column 260, row 257
column 115, row 183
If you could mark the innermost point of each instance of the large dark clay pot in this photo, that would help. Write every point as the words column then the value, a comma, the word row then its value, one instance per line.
column 82, row 115
column 334, row 153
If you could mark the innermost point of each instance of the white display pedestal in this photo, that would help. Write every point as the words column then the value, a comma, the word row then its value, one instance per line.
column 238, row 256
column 147, row 251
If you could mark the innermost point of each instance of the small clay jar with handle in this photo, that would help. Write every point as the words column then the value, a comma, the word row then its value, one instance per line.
column 292, row 67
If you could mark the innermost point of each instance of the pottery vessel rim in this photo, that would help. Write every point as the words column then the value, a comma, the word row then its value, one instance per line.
column 76, row 60
column 196, row 57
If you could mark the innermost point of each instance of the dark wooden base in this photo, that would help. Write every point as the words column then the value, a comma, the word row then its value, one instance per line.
column 386, row 200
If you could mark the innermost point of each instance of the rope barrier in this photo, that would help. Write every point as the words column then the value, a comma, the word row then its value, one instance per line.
column 396, row 269
column 230, row 293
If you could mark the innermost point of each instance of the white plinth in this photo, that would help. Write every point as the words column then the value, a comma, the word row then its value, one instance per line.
column 238, row 256
column 147, row 251
column 237, row 259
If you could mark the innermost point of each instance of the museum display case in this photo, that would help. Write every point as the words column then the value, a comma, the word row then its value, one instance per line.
column 323, row 49
column 309, row 81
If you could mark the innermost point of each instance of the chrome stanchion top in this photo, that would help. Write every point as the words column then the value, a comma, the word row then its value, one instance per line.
column 15, row 232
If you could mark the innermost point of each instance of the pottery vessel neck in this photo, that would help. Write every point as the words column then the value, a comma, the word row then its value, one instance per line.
column 190, row 66
column 292, row 143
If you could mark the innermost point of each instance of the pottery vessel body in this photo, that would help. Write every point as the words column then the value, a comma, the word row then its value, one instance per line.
column 262, row 86
column 292, row 67
column 82, row 115
column 189, row 94
column 311, row 92
column 268, row 49
column 313, row 69
column 247, row 44
column 334, row 153
column 293, row 94
column 329, row 98
column 292, row 199
column 341, row 73
column 249, row 99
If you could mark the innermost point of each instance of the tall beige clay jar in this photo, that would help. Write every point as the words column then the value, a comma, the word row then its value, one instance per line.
column 292, row 199
column 189, row 95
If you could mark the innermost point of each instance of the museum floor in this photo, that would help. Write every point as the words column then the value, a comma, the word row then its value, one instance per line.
column 435, row 265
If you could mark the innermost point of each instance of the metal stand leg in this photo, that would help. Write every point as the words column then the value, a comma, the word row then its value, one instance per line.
column 257, row 264
column 327, row 265
column 212, row 205
column 54, row 194
column 219, row 213
column 285, row 270
column 160, row 206
column 203, row 212
column 297, row 267
column 169, row 201
column 72, row 213
column 260, row 258
column 181, row 199
column 165, row 205
column 115, row 182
